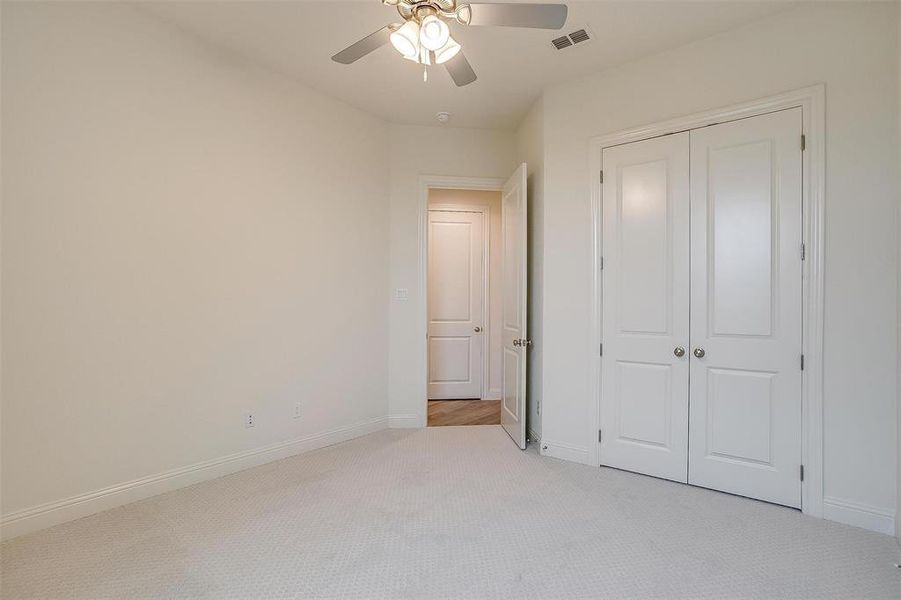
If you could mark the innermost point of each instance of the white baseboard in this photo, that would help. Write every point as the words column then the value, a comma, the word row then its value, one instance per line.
column 859, row 515
column 53, row 513
column 407, row 421
column 563, row 451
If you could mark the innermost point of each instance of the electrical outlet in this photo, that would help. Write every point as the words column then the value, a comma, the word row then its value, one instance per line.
column 298, row 410
column 249, row 420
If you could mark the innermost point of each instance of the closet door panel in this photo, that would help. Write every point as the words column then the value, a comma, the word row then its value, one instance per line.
column 644, row 387
column 745, row 399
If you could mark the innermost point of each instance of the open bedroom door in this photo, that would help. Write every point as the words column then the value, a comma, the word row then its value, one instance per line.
column 516, row 342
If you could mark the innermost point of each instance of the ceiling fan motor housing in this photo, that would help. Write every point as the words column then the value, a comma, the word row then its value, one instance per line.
column 418, row 9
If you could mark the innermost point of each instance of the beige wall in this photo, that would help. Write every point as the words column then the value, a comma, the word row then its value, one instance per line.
column 416, row 151
column 477, row 198
column 852, row 48
column 183, row 242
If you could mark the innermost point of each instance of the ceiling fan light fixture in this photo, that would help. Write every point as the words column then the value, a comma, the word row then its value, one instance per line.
column 433, row 32
column 406, row 40
column 447, row 52
column 463, row 14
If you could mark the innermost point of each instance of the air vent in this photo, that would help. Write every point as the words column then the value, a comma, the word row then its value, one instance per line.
column 578, row 36
column 561, row 42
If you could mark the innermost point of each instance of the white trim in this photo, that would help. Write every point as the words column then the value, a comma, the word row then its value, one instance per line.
column 53, row 513
column 577, row 454
column 485, row 211
column 407, row 421
column 427, row 182
column 533, row 437
column 859, row 515
column 493, row 394
column 812, row 101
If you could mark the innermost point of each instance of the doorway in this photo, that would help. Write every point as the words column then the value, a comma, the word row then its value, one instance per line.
column 474, row 274
column 464, row 270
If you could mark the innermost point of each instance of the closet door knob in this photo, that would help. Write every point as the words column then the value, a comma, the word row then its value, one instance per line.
column 478, row 329
column 679, row 351
column 699, row 352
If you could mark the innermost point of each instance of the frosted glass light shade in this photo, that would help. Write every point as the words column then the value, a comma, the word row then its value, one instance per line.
column 448, row 51
column 433, row 33
column 406, row 40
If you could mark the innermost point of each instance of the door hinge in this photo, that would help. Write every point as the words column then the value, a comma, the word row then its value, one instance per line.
column 802, row 472
column 602, row 176
column 803, row 251
column 803, row 142
column 802, row 362
column 599, row 436
column 601, row 352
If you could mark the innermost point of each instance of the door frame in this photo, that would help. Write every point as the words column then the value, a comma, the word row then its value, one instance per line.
column 812, row 101
column 485, row 211
column 426, row 183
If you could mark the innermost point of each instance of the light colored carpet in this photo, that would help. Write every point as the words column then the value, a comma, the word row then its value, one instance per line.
column 452, row 512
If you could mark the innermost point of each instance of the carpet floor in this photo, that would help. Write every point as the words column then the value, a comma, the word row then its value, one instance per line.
column 450, row 512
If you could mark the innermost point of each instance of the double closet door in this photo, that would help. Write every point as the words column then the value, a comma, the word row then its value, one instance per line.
column 701, row 366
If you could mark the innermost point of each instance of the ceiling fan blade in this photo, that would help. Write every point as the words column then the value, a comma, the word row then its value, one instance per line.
column 460, row 70
column 371, row 42
column 539, row 16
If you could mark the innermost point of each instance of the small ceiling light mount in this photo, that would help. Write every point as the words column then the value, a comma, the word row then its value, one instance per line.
column 443, row 117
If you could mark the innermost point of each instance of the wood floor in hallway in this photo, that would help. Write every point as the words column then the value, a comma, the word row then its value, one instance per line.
column 464, row 412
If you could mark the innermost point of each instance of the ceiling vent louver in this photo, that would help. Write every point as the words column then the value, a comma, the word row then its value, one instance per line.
column 561, row 42
column 578, row 36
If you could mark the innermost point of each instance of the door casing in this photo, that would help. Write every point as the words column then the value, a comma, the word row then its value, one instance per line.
column 812, row 101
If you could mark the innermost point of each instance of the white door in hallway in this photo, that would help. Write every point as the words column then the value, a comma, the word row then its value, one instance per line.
column 745, row 417
column 644, row 373
column 514, row 217
column 455, row 279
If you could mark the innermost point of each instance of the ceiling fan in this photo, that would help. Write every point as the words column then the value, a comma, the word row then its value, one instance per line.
column 424, row 36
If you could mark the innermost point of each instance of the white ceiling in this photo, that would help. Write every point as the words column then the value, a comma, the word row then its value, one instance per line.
column 513, row 65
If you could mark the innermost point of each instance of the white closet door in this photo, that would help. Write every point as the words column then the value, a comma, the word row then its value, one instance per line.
column 745, row 422
column 644, row 373
column 455, row 304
